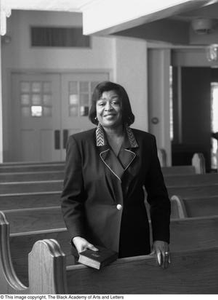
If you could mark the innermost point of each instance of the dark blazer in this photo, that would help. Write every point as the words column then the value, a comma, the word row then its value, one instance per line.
column 107, row 207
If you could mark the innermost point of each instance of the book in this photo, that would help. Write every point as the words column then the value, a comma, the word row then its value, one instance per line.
column 97, row 259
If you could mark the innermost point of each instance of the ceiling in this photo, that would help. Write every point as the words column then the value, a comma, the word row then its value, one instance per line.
column 167, row 24
column 49, row 5
column 192, row 27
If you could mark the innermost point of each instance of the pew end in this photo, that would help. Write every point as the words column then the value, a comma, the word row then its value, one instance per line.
column 178, row 210
column 177, row 207
column 47, row 265
column 198, row 161
column 161, row 153
column 191, row 272
column 9, row 282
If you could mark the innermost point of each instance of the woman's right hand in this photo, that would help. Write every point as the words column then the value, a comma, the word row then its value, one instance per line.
column 82, row 244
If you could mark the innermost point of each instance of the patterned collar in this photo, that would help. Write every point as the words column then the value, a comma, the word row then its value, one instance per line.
column 102, row 141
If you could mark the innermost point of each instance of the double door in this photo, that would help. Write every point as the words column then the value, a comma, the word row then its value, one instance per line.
column 47, row 108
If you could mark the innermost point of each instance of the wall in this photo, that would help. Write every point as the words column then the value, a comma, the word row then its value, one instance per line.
column 1, row 113
column 131, row 72
column 124, row 58
column 159, row 98
column 193, row 57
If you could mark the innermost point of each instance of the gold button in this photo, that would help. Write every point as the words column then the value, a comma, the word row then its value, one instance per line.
column 119, row 206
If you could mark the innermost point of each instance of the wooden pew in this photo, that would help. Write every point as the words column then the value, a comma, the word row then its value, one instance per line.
column 30, row 163
column 31, row 176
column 194, row 191
column 197, row 166
column 39, row 218
column 191, row 272
column 184, row 182
column 34, row 219
column 191, row 180
column 186, row 234
column 14, row 249
column 31, row 167
column 29, row 200
column 177, row 209
column 30, row 186
column 195, row 207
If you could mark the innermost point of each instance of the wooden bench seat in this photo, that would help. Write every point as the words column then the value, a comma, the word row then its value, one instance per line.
column 191, row 272
column 197, row 166
column 30, row 186
column 21, row 244
column 186, row 234
column 51, row 199
column 30, row 163
column 31, row 167
column 194, row 188
column 194, row 191
column 191, row 180
column 196, row 207
column 29, row 200
column 31, row 176
column 173, row 175
column 39, row 218
column 178, row 170
column 32, row 219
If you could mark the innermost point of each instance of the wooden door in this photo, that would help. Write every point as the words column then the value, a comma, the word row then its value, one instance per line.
column 36, row 117
column 46, row 109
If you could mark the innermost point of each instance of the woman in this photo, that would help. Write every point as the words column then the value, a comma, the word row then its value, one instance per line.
column 107, row 168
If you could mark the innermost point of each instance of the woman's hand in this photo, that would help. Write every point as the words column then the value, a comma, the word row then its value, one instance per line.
column 82, row 244
column 162, row 252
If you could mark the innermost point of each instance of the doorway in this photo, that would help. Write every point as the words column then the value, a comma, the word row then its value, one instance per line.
column 214, row 124
column 191, row 114
column 46, row 109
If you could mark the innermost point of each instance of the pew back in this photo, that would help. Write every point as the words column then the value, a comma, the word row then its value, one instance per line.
column 31, row 176
column 197, row 207
column 191, row 272
column 31, row 219
column 178, row 170
column 186, row 234
column 29, row 200
column 191, row 180
column 31, row 167
column 30, row 186
column 194, row 191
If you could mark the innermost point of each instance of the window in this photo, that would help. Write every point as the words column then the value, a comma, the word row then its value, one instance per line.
column 59, row 37
column 35, row 99
column 79, row 96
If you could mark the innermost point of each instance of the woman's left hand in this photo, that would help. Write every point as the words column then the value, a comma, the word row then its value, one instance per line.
column 162, row 252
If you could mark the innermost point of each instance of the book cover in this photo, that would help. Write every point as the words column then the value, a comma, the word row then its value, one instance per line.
column 97, row 259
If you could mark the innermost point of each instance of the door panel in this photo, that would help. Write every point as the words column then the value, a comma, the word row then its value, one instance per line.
column 36, row 112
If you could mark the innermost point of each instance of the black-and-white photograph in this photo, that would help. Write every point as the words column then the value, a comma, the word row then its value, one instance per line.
column 108, row 149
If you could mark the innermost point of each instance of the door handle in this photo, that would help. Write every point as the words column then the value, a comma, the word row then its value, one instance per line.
column 65, row 138
column 57, row 139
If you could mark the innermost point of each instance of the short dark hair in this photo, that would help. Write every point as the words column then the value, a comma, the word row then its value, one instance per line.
column 105, row 86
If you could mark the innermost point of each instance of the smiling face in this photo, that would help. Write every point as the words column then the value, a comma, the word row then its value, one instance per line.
column 109, row 110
